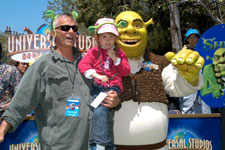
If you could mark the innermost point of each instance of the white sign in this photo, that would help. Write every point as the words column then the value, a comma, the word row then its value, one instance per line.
column 25, row 48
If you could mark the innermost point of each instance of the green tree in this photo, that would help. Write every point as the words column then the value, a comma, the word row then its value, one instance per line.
column 91, row 10
column 200, row 14
column 3, row 40
column 59, row 6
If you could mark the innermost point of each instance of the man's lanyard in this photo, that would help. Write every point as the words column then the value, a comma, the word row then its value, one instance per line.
column 70, row 77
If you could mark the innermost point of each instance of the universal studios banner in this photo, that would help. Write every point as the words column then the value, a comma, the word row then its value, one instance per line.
column 24, row 138
column 194, row 132
column 26, row 48
column 184, row 133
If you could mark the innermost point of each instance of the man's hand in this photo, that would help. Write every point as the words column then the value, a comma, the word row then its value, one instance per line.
column 112, row 100
column 4, row 127
column 1, row 137
column 4, row 106
column 188, row 63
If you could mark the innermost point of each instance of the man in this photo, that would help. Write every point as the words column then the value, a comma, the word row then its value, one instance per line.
column 193, row 104
column 9, row 80
column 50, row 86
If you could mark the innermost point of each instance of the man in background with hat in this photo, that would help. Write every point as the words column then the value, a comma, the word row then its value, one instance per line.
column 193, row 104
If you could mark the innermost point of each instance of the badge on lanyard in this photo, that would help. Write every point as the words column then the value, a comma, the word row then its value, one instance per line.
column 72, row 106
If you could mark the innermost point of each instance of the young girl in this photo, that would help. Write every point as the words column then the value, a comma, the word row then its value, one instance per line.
column 106, row 64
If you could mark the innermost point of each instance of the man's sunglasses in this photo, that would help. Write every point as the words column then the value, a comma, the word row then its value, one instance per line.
column 66, row 28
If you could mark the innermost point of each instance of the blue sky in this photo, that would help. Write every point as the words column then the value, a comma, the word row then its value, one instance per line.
column 20, row 13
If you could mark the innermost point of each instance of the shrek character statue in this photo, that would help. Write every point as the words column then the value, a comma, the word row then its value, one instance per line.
column 142, row 122
column 214, row 75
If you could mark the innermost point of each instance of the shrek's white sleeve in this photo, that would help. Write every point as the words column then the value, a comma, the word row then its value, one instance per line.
column 175, row 85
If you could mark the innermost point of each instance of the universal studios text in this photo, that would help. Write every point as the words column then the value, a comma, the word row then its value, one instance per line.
column 26, row 48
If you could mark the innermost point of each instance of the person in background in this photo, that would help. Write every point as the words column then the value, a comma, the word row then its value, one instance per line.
column 106, row 64
column 21, row 66
column 51, row 84
column 193, row 104
column 191, row 37
column 9, row 80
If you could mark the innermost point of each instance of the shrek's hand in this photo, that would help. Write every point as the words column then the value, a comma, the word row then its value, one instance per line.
column 188, row 63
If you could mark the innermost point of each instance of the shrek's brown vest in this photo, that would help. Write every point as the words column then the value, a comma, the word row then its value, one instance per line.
column 146, row 86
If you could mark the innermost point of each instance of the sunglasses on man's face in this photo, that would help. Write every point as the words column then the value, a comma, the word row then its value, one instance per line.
column 66, row 28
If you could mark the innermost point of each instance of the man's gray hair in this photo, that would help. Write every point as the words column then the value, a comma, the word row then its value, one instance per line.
column 63, row 14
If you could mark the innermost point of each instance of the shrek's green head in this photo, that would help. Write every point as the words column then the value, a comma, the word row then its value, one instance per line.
column 219, row 57
column 133, row 37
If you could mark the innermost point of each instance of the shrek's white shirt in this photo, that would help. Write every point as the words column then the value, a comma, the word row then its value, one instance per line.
column 147, row 122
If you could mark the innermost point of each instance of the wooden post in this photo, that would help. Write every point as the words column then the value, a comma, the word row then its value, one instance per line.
column 176, row 37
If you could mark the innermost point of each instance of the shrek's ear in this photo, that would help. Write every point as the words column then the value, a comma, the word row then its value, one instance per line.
column 150, row 21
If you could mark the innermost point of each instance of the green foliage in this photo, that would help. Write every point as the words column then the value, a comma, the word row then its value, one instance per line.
column 192, row 14
column 59, row 6
column 159, row 33
column 3, row 40
column 4, row 57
